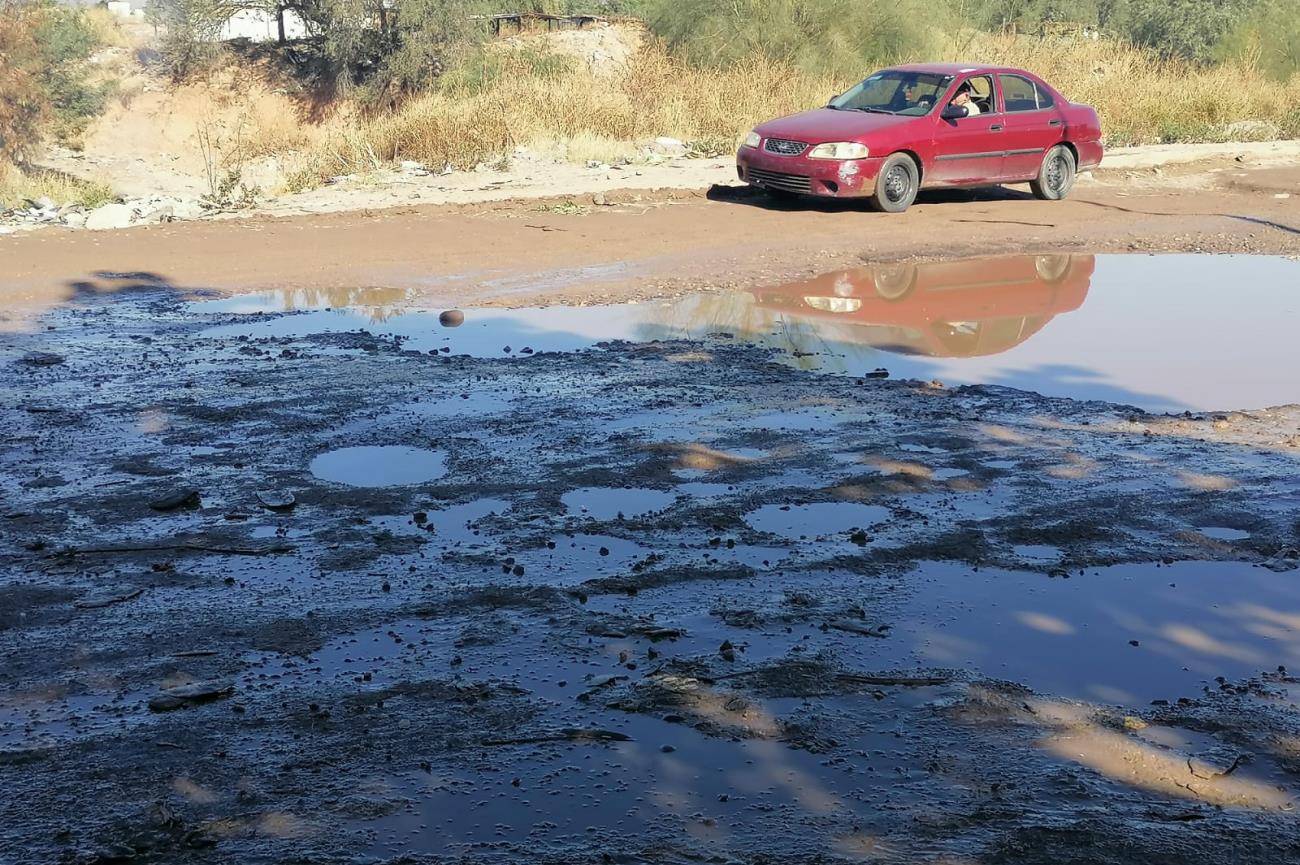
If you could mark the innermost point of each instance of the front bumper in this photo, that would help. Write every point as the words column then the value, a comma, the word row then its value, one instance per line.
column 850, row 178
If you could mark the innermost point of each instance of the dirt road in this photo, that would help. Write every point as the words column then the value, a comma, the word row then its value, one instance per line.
column 644, row 244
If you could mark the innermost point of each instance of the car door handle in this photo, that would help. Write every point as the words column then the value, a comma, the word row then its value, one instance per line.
column 1053, row 123
column 997, row 127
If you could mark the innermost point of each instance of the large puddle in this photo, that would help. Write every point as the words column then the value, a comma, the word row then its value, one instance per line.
column 1126, row 635
column 382, row 466
column 1166, row 333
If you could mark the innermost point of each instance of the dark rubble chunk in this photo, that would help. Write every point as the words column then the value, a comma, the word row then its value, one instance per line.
column 184, row 498
column 852, row 627
column 41, row 358
column 191, row 695
column 95, row 602
column 276, row 500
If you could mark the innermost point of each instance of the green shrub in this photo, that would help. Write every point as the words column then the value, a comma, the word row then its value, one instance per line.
column 846, row 37
column 1268, row 37
column 44, row 84
column 23, row 106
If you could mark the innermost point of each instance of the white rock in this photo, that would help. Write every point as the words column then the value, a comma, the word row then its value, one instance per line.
column 165, row 213
column 184, row 209
column 108, row 217
column 669, row 147
column 75, row 219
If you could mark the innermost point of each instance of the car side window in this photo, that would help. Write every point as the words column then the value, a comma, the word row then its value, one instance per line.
column 982, row 93
column 1021, row 94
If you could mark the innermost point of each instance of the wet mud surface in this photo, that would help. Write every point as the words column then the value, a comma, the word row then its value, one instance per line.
column 321, row 596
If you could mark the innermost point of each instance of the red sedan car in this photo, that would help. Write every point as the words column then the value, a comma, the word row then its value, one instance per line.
column 925, row 126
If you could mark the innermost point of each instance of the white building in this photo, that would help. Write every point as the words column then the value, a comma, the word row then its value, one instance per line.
column 259, row 25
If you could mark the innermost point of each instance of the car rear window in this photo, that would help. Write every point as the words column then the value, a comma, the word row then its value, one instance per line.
column 1021, row 94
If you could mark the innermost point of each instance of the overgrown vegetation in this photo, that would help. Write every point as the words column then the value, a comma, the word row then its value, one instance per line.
column 1142, row 98
column 841, row 35
column 1268, row 38
column 377, row 50
column 23, row 106
column 45, row 86
column 831, row 36
column 386, row 80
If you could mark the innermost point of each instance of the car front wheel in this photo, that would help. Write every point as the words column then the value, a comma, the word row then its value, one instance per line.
column 896, row 185
column 1056, row 174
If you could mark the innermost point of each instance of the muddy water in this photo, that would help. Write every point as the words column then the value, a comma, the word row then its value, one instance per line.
column 1072, row 637
column 1165, row 333
column 638, row 598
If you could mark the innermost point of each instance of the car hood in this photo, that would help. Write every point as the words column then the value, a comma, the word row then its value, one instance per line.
column 826, row 124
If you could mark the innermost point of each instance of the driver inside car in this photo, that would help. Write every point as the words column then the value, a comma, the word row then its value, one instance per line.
column 964, row 101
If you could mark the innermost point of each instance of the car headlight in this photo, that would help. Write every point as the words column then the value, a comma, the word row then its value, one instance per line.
column 753, row 139
column 840, row 150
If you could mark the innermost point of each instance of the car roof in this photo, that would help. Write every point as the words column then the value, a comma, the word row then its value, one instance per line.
column 954, row 68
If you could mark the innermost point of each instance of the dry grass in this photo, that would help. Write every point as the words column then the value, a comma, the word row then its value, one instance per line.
column 106, row 27
column 1141, row 100
column 1145, row 101
column 17, row 186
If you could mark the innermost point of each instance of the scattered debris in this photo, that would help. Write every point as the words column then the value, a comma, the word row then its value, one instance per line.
column 191, row 695
column 183, row 498
column 41, row 358
column 569, row 734
column 276, row 500
column 852, row 627
column 95, row 602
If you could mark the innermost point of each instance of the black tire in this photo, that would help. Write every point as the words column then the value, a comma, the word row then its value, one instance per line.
column 1056, row 175
column 896, row 185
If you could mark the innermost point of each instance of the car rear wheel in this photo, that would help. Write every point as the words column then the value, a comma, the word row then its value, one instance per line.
column 896, row 185
column 1056, row 174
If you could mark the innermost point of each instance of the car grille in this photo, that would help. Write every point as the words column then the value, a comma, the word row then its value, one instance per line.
column 781, row 180
column 784, row 147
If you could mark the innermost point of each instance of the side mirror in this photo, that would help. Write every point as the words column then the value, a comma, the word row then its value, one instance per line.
column 952, row 112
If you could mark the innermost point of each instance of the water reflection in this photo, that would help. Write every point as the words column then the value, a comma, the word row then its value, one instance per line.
column 946, row 309
column 1160, row 332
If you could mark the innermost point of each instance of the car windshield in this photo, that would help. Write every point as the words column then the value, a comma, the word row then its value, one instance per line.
column 895, row 91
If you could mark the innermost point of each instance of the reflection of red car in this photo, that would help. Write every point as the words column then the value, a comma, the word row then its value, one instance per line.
column 926, row 125
column 946, row 309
